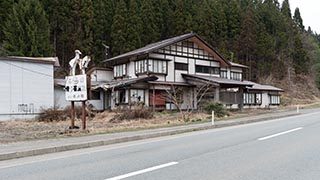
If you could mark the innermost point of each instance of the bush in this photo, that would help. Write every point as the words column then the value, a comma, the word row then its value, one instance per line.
column 56, row 114
column 135, row 112
column 217, row 107
column 52, row 114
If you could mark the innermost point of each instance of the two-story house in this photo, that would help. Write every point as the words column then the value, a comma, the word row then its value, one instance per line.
column 187, row 61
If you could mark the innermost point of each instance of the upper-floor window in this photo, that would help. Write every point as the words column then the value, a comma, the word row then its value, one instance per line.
column 151, row 66
column 141, row 66
column 236, row 76
column 120, row 70
column 181, row 66
column 187, row 49
column 223, row 74
column 207, row 69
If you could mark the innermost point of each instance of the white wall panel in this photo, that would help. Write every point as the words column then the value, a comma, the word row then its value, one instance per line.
column 26, row 87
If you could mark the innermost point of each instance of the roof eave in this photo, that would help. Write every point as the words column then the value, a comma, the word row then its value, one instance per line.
column 187, row 36
column 213, row 49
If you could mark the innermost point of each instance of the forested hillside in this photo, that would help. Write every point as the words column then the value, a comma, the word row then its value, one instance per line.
column 263, row 35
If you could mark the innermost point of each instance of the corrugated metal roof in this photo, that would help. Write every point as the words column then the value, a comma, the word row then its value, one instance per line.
column 218, row 80
column 261, row 87
column 170, row 83
column 158, row 45
column 152, row 47
column 62, row 82
column 46, row 60
column 238, row 65
column 122, row 83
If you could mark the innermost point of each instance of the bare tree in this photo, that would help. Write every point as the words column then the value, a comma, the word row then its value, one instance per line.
column 186, row 106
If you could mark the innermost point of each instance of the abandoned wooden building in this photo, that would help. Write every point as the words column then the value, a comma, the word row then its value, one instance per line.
column 186, row 62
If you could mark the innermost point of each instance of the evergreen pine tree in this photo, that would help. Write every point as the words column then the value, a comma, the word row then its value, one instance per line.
column 232, row 13
column 5, row 9
column 221, row 34
column 59, row 16
column 181, row 21
column 285, row 9
column 119, row 29
column 134, row 29
column 27, row 36
column 81, row 36
column 298, row 20
column 247, row 39
column 103, row 17
column 205, row 23
column 161, row 8
column 151, row 31
column 299, row 55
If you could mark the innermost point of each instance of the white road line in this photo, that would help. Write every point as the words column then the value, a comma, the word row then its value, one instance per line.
column 279, row 134
column 143, row 171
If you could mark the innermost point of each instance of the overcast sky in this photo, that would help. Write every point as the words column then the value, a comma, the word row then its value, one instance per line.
column 310, row 13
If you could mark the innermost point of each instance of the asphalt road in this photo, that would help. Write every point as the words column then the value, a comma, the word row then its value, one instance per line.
column 287, row 148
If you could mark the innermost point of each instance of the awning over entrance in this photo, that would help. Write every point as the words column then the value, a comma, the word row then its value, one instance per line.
column 123, row 83
column 221, row 82
column 170, row 83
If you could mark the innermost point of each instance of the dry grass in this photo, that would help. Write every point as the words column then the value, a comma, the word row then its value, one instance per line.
column 12, row 131
column 299, row 91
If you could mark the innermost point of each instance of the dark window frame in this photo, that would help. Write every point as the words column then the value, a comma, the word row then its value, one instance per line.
column 95, row 95
column 254, row 98
column 271, row 101
column 207, row 69
column 236, row 75
column 181, row 66
column 192, row 51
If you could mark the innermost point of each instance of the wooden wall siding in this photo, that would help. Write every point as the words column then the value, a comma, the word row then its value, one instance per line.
column 157, row 99
column 230, row 97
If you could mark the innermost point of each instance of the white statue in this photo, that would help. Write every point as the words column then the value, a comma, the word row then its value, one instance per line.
column 73, row 63
column 83, row 63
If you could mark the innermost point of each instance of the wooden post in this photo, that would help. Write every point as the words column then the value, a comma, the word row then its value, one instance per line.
column 153, row 99
column 83, row 115
column 217, row 94
column 241, row 98
column 72, row 115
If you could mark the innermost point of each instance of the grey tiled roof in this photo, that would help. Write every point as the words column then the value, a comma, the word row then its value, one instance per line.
column 122, row 83
column 152, row 47
column 47, row 60
column 218, row 80
column 158, row 45
column 62, row 82
column 238, row 65
column 261, row 87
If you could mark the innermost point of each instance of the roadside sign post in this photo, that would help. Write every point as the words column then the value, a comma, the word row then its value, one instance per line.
column 83, row 115
column 72, row 115
column 76, row 87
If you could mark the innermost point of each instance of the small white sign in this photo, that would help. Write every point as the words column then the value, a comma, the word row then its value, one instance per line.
column 76, row 88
